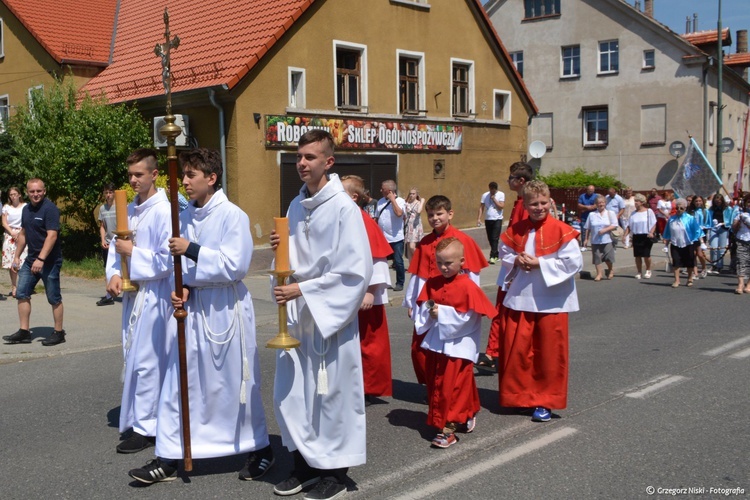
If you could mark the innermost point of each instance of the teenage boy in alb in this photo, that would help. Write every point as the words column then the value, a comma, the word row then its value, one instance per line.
column 318, row 390
column 423, row 266
column 145, row 313
column 226, row 411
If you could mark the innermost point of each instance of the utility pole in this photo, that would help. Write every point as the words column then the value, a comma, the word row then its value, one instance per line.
column 719, row 108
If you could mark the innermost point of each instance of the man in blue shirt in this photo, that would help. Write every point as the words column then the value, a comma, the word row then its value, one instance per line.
column 586, row 205
column 615, row 203
column 40, row 228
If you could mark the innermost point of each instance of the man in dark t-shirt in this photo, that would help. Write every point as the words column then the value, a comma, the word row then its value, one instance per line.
column 40, row 228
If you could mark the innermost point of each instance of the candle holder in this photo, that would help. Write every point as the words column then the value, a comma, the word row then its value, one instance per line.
column 283, row 340
column 127, row 285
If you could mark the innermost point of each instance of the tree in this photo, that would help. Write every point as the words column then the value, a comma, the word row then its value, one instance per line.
column 75, row 146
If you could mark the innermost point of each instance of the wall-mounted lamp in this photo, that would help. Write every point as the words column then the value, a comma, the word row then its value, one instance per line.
column 256, row 117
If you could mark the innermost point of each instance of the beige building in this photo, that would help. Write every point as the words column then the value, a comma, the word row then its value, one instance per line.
column 615, row 88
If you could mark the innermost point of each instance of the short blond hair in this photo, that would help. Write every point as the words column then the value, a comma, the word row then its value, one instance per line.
column 535, row 187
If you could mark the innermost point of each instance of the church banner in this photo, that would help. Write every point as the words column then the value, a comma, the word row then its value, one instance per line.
column 695, row 176
column 285, row 131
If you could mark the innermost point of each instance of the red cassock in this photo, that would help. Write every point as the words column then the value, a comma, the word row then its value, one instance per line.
column 451, row 389
column 424, row 265
column 517, row 214
column 373, row 326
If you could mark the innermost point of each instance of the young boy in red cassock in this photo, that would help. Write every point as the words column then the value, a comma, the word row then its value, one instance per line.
column 449, row 323
column 540, row 256
column 424, row 266
column 373, row 323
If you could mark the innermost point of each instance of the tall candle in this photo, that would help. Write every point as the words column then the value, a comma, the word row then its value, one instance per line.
column 121, row 207
column 281, row 224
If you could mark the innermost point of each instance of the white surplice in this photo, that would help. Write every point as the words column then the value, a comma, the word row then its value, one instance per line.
column 145, row 313
column 329, row 252
column 223, row 370
column 453, row 333
column 550, row 288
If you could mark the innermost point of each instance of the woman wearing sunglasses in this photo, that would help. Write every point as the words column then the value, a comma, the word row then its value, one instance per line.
column 682, row 232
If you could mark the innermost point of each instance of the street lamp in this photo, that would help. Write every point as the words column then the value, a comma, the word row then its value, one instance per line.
column 720, row 91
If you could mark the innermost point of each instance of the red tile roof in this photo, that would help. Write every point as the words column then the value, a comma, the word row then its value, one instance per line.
column 739, row 60
column 220, row 42
column 707, row 37
column 84, row 36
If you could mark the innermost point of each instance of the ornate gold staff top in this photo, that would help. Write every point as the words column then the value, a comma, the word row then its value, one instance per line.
column 171, row 131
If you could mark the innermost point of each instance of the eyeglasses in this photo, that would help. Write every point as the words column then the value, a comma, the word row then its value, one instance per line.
column 681, row 208
column 513, row 178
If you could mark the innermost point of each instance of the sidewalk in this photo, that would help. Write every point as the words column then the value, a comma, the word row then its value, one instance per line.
column 91, row 328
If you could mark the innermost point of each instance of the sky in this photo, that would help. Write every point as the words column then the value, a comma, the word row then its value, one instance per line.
column 735, row 14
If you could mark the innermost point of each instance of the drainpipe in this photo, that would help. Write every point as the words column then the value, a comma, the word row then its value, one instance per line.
column 222, row 140
column 706, row 111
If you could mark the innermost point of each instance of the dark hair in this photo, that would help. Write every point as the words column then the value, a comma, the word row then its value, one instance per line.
column 141, row 154
column 437, row 202
column 692, row 208
column 718, row 196
column 109, row 186
column 204, row 160
column 317, row 135
column 493, row 185
column 522, row 170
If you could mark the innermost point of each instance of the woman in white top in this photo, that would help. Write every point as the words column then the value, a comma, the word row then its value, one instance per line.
column 641, row 225
column 12, row 225
column 629, row 199
column 413, row 231
column 598, row 226
column 741, row 230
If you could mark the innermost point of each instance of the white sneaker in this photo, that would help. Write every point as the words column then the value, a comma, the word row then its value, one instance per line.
column 647, row 275
column 704, row 273
column 637, row 276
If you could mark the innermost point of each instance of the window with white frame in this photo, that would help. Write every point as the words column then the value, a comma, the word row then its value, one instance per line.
column 411, row 84
column 501, row 109
column 571, row 61
column 609, row 56
column 296, row 88
column 351, row 75
column 32, row 93
column 517, row 58
column 462, row 82
column 4, row 112
column 541, row 8
column 2, row 38
column 595, row 126
column 649, row 59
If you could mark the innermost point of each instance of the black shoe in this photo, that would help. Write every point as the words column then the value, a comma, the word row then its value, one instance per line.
column 20, row 337
column 293, row 484
column 105, row 301
column 3, row 297
column 135, row 443
column 326, row 489
column 57, row 337
column 257, row 464
column 398, row 288
column 155, row 471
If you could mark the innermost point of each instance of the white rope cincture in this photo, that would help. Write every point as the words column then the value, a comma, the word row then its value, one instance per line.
column 325, row 344
column 213, row 337
column 135, row 313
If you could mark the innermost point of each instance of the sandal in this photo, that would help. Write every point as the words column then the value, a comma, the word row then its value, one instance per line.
column 675, row 285
column 690, row 283
column 486, row 363
column 598, row 278
column 739, row 291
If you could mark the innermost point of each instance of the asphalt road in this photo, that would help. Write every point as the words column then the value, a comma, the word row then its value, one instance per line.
column 658, row 398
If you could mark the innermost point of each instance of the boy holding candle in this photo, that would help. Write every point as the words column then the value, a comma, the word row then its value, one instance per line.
column 424, row 266
column 145, row 313
column 318, row 389
column 449, row 319
column 226, row 411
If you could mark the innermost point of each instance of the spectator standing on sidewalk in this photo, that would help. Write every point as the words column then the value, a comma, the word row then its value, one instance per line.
column 107, row 225
column 413, row 230
column 586, row 205
column 390, row 217
column 491, row 206
column 12, row 224
column 40, row 229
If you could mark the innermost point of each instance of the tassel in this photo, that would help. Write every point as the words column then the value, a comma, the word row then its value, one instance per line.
column 245, row 376
column 243, row 391
column 322, row 380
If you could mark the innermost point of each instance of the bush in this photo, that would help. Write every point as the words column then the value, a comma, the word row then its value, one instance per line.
column 578, row 178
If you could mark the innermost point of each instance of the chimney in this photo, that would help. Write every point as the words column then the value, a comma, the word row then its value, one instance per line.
column 695, row 22
column 648, row 8
column 687, row 25
column 742, row 47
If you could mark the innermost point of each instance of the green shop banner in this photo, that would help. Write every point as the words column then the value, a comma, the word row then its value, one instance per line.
column 285, row 131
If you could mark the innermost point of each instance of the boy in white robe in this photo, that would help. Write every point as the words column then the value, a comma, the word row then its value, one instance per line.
column 226, row 411
column 323, row 424
column 144, row 313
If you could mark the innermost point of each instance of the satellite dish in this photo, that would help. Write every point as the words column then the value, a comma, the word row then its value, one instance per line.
column 677, row 149
column 537, row 149
column 727, row 144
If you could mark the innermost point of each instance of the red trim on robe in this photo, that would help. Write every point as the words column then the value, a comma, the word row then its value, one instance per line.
column 459, row 292
column 376, row 351
column 451, row 390
column 551, row 235
column 533, row 363
column 423, row 262
column 379, row 246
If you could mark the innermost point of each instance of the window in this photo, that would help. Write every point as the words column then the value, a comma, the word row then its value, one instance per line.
column 653, row 125
column 501, row 110
column 296, row 88
column 32, row 92
column 571, row 61
column 541, row 129
column 649, row 59
column 609, row 55
column 462, row 78
column 595, row 126
column 4, row 112
column 2, row 39
column 517, row 58
column 540, row 8
column 410, row 82
column 351, row 75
